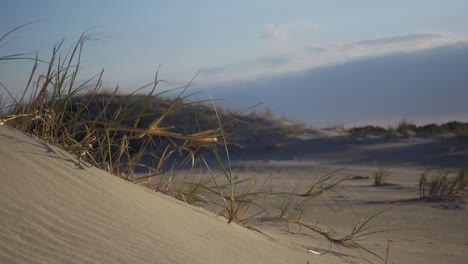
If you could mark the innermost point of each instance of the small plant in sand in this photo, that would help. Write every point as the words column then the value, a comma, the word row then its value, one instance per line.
column 380, row 175
column 435, row 184
column 293, row 202
column 235, row 203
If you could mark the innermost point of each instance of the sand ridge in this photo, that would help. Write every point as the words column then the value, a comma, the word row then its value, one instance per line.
column 53, row 210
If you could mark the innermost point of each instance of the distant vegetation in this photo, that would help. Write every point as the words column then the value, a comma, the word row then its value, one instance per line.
column 454, row 127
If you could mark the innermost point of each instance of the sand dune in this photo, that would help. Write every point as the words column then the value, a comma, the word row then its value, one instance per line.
column 53, row 210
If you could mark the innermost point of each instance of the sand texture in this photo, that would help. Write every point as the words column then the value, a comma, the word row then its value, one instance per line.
column 54, row 210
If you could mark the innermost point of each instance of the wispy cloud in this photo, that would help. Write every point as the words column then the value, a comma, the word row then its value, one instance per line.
column 312, row 55
column 409, row 38
column 275, row 32
column 403, row 43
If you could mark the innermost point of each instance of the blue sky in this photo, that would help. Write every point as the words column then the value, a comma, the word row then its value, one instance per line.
column 231, row 41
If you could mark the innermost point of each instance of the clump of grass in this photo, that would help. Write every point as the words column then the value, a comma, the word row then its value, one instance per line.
column 380, row 175
column 440, row 184
column 293, row 202
column 234, row 203
column 103, row 131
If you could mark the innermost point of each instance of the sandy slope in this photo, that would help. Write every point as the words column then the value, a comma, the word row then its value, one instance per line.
column 55, row 211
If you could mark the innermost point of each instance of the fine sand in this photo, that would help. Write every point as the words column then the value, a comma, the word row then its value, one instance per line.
column 54, row 210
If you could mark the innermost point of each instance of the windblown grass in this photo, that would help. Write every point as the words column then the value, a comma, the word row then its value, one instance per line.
column 115, row 137
column 292, row 203
column 440, row 184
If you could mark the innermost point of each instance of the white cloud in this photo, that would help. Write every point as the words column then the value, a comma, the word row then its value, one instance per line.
column 313, row 55
column 404, row 43
column 275, row 32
